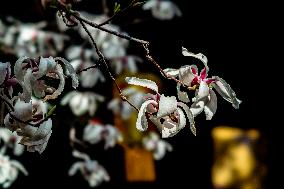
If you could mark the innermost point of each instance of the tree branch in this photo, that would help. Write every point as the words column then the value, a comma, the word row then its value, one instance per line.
column 102, row 59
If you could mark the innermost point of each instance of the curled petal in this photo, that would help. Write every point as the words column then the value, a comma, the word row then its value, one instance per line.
column 45, row 65
column 199, row 56
column 189, row 116
column 58, row 91
column 171, row 72
column 211, row 107
column 225, row 90
column 167, row 105
column 75, row 167
column 182, row 95
column 198, row 106
column 141, row 122
column 18, row 68
column 71, row 71
column 186, row 74
column 26, row 95
column 142, row 82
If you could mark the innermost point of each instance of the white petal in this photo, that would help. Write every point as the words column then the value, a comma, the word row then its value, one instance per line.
column 18, row 71
column 225, row 90
column 198, row 106
column 211, row 107
column 172, row 72
column 181, row 94
column 71, row 71
column 66, row 99
column 167, row 105
column 186, row 75
column 189, row 116
column 203, row 90
column 58, row 91
column 141, row 122
column 142, row 82
column 199, row 56
column 92, row 133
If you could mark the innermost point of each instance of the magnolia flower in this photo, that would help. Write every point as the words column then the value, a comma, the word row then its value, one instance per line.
column 29, row 73
column 82, row 102
column 30, row 40
column 95, row 132
column 11, row 140
column 206, row 98
column 165, row 112
column 35, row 138
column 123, row 108
column 91, row 170
column 162, row 9
column 159, row 147
column 9, row 170
column 127, row 63
column 6, row 81
column 81, row 59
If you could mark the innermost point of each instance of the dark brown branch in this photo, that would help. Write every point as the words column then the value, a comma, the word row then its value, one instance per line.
column 102, row 59
column 85, row 69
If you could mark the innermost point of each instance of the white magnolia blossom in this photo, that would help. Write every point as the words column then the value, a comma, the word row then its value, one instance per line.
column 9, row 170
column 35, row 138
column 96, row 132
column 205, row 98
column 91, row 170
column 164, row 111
column 162, row 9
column 110, row 45
column 82, row 102
column 11, row 140
column 127, row 63
column 156, row 145
column 29, row 73
column 30, row 40
column 82, row 58
column 123, row 108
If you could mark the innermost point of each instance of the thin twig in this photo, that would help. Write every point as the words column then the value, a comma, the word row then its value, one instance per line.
column 95, row 25
column 116, row 14
column 151, row 59
column 102, row 59
column 85, row 69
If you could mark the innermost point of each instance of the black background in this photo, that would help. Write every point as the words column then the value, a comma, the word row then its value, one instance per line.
column 234, row 39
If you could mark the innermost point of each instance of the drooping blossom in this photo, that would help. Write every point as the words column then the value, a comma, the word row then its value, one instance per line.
column 11, row 140
column 164, row 111
column 35, row 138
column 156, row 145
column 29, row 72
column 31, row 40
column 96, row 132
column 9, row 170
column 81, row 58
column 91, row 170
column 82, row 102
column 122, row 108
column 205, row 99
column 162, row 9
